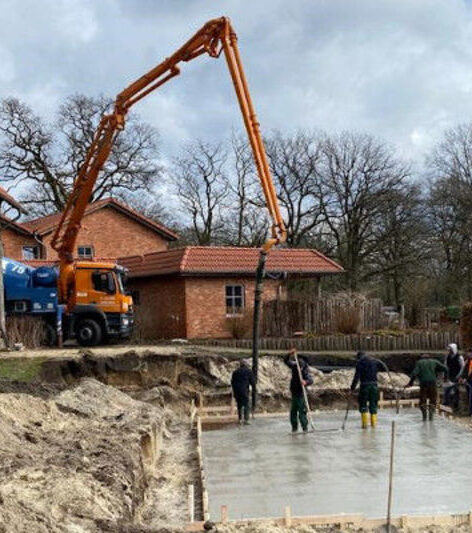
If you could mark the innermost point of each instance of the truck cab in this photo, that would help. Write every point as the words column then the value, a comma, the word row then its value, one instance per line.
column 99, row 308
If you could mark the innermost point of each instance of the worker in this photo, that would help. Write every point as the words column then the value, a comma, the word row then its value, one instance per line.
column 241, row 379
column 466, row 378
column 455, row 366
column 298, row 409
column 426, row 370
column 366, row 373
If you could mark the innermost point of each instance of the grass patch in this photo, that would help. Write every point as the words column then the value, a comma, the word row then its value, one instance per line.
column 24, row 370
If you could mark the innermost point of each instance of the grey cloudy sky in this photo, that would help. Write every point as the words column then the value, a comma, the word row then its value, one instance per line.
column 400, row 69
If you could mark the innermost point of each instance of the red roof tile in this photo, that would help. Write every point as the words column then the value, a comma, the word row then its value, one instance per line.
column 212, row 260
column 48, row 223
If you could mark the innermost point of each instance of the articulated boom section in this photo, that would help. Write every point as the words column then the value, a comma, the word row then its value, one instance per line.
column 215, row 37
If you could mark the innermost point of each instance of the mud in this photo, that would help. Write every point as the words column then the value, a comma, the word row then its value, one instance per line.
column 258, row 470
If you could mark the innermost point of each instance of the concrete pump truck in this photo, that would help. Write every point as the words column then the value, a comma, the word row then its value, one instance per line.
column 91, row 295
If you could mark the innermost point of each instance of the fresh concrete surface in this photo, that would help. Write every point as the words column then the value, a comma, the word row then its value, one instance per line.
column 257, row 470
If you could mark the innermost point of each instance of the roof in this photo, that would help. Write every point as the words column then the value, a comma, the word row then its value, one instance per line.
column 55, row 262
column 214, row 261
column 8, row 223
column 49, row 223
column 8, row 198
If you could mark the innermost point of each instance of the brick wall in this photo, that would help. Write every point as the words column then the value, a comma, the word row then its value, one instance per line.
column 191, row 307
column 13, row 242
column 113, row 234
column 161, row 311
column 206, row 304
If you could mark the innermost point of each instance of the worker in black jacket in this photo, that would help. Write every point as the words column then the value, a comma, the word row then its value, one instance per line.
column 298, row 410
column 241, row 380
column 366, row 373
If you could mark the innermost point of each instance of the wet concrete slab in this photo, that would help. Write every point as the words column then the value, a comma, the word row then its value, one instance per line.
column 257, row 470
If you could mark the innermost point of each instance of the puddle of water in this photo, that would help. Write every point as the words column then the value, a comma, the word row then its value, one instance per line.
column 257, row 470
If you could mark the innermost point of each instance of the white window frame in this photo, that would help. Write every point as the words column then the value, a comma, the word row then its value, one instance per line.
column 36, row 247
column 234, row 310
column 86, row 256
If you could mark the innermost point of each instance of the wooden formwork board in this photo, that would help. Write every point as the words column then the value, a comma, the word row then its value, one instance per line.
column 354, row 520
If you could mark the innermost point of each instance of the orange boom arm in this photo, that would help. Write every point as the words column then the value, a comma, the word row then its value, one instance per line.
column 215, row 37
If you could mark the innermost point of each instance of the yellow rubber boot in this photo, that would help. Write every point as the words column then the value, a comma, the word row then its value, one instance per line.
column 364, row 419
column 373, row 420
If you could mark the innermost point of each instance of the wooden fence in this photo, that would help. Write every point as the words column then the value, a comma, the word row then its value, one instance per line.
column 324, row 315
column 421, row 340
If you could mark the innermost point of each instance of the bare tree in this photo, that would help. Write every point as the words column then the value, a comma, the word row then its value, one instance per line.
column 45, row 158
column 198, row 180
column 357, row 175
column 294, row 162
column 244, row 198
column 401, row 237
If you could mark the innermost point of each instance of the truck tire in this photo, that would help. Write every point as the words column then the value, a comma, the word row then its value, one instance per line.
column 88, row 332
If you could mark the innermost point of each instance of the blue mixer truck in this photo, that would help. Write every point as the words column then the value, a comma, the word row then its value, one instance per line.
column 32, row 291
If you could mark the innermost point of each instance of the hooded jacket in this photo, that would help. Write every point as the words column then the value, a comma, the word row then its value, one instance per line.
column 366, row 371
column 454, row 362
column 295, row 386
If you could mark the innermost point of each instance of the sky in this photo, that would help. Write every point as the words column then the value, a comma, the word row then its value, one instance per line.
column 397, row 69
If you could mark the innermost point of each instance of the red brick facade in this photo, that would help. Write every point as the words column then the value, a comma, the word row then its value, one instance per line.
column 109, row 228
column 113, row 234
column 13, row 242
column 193, row 308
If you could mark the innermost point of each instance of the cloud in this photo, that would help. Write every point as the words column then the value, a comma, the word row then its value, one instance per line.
column 398, row 70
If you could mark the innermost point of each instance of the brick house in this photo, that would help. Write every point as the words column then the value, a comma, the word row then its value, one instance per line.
column 109, row 229
column 195, row 292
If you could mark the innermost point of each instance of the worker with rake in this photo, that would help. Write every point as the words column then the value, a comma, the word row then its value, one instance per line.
column 366, row 373
column 426, row 370
column 300, row 378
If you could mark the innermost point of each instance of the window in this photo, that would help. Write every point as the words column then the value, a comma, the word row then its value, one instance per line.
column 85, row 252
column 31, row 252
column 234, row 299
column 103, row 282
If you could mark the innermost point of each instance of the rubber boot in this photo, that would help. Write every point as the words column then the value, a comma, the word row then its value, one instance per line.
column 373, row 420
column 431, row 413
column 364, row 420
column 424, row 413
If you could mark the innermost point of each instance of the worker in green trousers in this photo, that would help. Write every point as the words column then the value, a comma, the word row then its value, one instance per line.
column 426, row 370
column 298, row 410
column 366, row 373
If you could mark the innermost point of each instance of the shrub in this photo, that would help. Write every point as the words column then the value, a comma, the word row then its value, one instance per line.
column 466, row 325
column 28, row 330
column 239, row 326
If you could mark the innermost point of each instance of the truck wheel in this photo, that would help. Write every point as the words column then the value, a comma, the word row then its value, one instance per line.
column 88, row 332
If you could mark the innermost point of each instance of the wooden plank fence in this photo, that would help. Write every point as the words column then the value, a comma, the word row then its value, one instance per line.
column 421, row 340
column 321, row 316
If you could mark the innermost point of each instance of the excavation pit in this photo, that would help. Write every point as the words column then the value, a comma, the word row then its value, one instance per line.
column 258, row 470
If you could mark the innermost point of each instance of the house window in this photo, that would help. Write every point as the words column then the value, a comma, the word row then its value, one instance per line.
column 234, row 299
column 31, row 252
column 85, row 252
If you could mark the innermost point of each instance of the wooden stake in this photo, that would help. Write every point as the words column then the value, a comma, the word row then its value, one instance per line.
column 288, row 516
column 224, row 514
column 390, row 477
column 191, row 503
